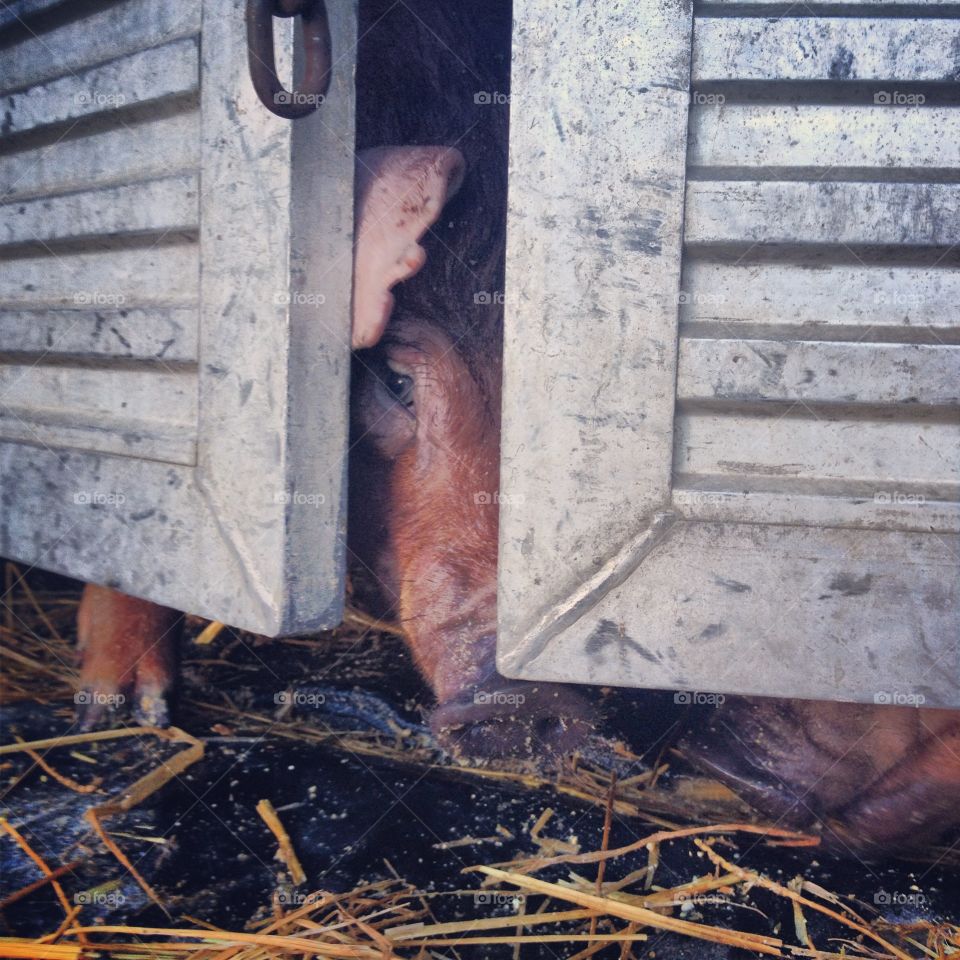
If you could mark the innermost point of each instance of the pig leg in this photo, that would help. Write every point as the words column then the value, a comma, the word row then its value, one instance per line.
column 127, row 651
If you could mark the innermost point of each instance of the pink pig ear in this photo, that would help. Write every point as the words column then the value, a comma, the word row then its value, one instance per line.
column 400, row 192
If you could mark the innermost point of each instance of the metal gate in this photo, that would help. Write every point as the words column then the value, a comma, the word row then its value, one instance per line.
column 174, row 310
column 731, row 444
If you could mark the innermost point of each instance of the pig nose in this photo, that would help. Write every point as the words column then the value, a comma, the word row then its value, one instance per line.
column 513, row 718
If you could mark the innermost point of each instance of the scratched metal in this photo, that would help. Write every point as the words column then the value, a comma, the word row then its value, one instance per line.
column 731, row 448
column 174, row 312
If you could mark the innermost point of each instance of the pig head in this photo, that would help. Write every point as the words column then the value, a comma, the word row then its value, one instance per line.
column 424, row 470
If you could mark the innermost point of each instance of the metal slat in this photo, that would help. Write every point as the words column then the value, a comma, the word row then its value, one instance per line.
column 149, row 413
column 897, row 303
column 167, row 275
column 155, row 74
column 733, row 7
column 134, row 151
column 161, row 206
column 826, row 8
column 825, row 48
column 859, row 505
column 815, row 448
column 822, row 142
column 172, row 444
column 118, row 31
column 157, row 333
column 802, row 214
column 872, row 373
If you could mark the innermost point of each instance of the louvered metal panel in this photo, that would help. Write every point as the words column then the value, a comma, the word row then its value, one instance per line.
column 174, row 311
column 749, row 480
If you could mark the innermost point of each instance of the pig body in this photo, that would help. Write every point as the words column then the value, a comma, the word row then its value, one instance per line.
column 425, row 415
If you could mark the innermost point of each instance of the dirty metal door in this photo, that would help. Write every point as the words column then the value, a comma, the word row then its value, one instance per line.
column 731, row 442
column 174, row 311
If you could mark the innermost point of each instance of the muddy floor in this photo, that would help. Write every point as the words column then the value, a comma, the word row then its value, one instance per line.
column 330, row 730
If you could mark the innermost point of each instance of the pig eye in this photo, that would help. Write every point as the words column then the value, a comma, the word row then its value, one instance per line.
column 399, row 385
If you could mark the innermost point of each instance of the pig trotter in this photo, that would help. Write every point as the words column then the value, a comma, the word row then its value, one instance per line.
column 150, row 707
column 127, row 654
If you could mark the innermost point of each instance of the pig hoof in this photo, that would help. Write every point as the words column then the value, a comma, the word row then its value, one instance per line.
column 97, row 711
column 150, row 708
column 515, row 721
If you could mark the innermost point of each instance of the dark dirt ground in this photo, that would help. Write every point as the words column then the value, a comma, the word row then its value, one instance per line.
column 365, row 796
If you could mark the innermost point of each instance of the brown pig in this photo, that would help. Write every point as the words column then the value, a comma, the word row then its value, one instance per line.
column 425, row 449
column 426, row 389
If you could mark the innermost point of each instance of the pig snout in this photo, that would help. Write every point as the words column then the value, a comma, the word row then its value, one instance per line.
column 512, row 718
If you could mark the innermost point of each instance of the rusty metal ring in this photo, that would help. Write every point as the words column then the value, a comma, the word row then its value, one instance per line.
column 303, row 100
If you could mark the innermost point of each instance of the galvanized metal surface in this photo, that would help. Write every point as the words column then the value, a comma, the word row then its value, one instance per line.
column 174, row 314
column 802, row 47
column 738, row 470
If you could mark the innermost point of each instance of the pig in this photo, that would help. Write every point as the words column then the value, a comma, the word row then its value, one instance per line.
column 425, row 426
column 878, row 778
column 426, row 74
